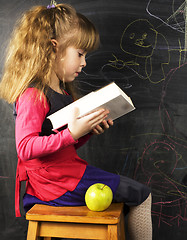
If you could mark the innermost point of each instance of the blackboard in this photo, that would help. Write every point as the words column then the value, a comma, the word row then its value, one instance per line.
column 143, row 50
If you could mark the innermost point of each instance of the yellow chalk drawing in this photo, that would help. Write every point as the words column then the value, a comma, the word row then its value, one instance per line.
column 139, row 41
column 120, row 64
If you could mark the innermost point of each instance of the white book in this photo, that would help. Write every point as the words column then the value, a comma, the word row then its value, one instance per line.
column 110, row 97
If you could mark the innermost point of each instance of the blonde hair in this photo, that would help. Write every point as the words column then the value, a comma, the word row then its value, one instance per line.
column 31, row 54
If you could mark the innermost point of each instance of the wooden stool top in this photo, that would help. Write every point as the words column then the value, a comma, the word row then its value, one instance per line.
column 75, row 214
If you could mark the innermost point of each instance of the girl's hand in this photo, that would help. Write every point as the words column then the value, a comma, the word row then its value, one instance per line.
column 99, row 129
column 79, row 127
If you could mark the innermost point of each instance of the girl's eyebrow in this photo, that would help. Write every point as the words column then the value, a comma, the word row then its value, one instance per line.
column 83, row 51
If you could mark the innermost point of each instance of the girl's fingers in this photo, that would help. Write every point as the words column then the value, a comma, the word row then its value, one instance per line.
column 110, row 122
column 95, row 131
column 99, row 129
column 99, row 114
column 98, row 117
column 105, row 124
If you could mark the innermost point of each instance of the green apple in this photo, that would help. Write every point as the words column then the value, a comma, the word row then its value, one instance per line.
column 98, row 197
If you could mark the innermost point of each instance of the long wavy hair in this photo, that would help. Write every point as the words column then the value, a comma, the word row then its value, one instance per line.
column 31, row 55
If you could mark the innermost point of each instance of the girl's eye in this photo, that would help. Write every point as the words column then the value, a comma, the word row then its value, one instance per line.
column 80, row 54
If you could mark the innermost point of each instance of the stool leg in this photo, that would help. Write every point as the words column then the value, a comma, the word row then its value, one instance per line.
column 122, row 227
column 32, row 230
column 113, row 232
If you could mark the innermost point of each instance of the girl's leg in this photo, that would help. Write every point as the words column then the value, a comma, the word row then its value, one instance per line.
column 139, row 221
column 137, row 197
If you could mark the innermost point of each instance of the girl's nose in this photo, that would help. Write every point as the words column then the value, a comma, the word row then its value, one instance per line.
column 83, row 63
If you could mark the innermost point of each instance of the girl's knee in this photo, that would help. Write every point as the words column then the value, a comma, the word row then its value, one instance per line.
column 147, row 201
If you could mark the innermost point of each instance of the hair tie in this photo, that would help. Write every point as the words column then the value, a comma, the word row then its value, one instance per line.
column 52, row 4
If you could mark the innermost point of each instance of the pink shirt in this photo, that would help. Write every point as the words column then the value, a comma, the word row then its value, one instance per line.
column 49, row 164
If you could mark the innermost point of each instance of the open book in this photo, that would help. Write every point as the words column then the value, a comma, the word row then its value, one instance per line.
column 110, row 97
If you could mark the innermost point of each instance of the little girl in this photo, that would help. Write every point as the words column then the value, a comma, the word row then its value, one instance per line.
column 46, row 53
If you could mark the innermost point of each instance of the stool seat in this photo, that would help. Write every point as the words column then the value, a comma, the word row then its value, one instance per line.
column 75, row 222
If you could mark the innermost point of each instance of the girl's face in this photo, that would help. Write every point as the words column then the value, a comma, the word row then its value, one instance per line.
column 70, row 65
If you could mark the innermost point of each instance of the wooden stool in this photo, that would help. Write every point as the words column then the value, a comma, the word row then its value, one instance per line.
column 75, row 222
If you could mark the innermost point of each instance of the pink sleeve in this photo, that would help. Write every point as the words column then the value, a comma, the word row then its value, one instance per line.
column 83, row 140
column 31, row 112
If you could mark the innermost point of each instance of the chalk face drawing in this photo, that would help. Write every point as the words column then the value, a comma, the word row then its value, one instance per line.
column 160, row 171
column 162, row 167
column 139, row 38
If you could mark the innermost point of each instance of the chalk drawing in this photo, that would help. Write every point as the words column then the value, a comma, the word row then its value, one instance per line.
column 139, row 41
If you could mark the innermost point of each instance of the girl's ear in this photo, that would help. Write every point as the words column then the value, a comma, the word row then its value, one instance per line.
column 55, row 44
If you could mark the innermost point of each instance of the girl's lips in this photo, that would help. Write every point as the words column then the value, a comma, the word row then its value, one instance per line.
column 77, row 74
